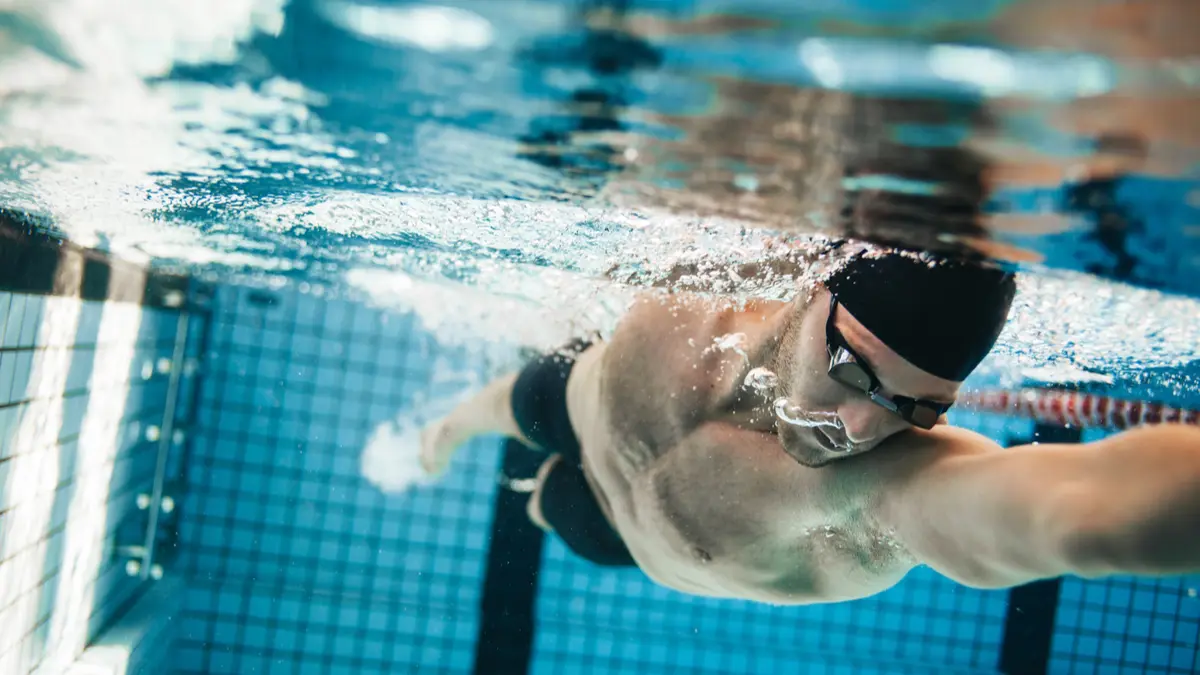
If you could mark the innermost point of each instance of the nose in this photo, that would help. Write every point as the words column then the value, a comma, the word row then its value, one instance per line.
column 866, row 423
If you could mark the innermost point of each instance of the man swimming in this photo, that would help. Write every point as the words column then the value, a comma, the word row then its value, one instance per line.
column 795, row 452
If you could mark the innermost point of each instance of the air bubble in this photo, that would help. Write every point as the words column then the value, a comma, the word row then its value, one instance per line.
column 793, row 414
column 761, row 379
column 732, row 342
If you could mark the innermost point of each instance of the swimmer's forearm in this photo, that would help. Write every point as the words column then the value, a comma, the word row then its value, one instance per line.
column 1141, row 515
column 487, row 412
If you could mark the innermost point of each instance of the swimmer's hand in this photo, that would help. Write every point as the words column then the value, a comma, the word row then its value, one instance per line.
column 409, row 451
column 484, row 412
column 437, row 448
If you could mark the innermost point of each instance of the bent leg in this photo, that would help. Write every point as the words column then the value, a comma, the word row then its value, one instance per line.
column 533, row 508
column 564, row 503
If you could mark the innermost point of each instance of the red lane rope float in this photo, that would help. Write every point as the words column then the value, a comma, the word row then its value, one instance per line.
column 1077, row 409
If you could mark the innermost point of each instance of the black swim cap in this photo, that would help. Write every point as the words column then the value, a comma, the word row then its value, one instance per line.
column 942, row 315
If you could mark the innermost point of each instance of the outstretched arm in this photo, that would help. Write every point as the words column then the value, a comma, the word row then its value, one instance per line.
column 487, row 412
column 986, row 517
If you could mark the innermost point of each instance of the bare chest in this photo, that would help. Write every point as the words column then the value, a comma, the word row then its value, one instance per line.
column 736, row 545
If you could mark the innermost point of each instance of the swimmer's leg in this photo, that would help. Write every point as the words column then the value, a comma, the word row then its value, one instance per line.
column 563, row 503
column 487, row 412
column 533, row 508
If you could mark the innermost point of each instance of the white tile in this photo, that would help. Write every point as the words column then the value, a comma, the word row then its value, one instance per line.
column 21, row 369
column 5, row 301
column 89, row 321
column 20, row 491
column 8, row 621
column 31, row 653
column 65, row 311
column 8, row 363
column 48, row 473
column 55, row 364
column 12, row 328
column 9, row 417
column 31, row 321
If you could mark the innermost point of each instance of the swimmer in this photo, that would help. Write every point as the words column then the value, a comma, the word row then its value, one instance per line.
column 812, row 463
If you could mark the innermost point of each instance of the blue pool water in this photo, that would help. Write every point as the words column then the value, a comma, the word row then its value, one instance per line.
column 393, row 199
column 536, row 153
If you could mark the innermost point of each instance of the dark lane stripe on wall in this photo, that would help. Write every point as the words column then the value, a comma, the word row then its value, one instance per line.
column 1029, row 623
column 506, row 621
column 35, row 262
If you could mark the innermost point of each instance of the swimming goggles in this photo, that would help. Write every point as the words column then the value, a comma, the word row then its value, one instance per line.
column 848, row 368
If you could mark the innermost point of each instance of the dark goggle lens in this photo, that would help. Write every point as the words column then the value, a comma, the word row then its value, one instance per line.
column 921, row 416
column 845, row 370
column 849, row 373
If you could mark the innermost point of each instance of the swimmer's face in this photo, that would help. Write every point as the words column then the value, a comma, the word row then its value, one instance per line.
column 807, row 384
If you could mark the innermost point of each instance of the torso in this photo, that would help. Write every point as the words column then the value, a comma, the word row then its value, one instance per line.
column 700, row 490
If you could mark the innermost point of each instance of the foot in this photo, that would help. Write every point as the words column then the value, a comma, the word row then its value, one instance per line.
column 437, row 447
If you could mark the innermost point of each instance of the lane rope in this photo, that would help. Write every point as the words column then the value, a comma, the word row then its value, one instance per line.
column 1077, row 409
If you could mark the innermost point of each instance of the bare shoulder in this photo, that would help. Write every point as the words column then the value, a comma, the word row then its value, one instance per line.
column 661, row 375
column 907, row 456
column 718, row 457
column 944, row 439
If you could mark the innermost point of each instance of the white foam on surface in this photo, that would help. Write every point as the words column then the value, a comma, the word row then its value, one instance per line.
column 433, row 28
column 150, row 169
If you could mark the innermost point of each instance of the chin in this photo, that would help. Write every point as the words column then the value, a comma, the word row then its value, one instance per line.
column 803, row 449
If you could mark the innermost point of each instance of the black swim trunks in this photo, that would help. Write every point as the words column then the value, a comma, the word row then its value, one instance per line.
column 539, row 405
